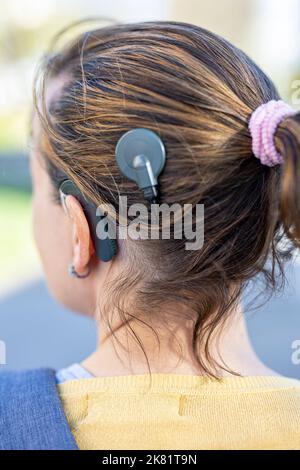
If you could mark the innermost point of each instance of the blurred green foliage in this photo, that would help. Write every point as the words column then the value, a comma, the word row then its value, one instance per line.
column 15, row 213
column 17, row 251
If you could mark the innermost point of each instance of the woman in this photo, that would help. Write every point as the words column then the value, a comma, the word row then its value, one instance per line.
column 174, row 368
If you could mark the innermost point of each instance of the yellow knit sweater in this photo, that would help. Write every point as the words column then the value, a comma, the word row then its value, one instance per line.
column 183, row 412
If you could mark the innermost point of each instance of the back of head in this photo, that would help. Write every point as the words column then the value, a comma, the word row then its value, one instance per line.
column 197, row 92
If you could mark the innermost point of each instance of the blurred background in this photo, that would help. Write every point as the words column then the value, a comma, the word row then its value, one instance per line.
column 35, row 330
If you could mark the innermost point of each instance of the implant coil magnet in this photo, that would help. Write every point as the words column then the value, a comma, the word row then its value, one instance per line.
column 141, row 156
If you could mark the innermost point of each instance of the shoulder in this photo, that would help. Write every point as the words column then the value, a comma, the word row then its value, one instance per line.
column 273, row 386
column 275, row 405
column 27, row 380
column 287, row 383
column 279, row 408
column 30, row 398
column 15, row 385
column 289, row 389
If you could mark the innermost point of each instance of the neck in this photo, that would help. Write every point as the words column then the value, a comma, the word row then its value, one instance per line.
column 121, row 355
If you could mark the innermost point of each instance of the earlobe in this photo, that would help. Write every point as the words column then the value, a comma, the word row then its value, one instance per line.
column 74, row 273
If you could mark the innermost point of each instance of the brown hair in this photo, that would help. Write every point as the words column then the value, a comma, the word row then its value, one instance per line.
column 197, row 92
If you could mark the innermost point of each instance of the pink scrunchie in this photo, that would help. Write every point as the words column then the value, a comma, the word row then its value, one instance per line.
column 263, row 124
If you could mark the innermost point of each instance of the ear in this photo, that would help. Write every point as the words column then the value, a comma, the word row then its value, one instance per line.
column 82, row 245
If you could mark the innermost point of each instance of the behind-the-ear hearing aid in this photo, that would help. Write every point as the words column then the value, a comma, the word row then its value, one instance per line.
column 105, row 248
column 140, row 155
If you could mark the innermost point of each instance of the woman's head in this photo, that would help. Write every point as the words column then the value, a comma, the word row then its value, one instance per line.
column 197, row 92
